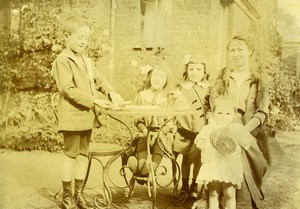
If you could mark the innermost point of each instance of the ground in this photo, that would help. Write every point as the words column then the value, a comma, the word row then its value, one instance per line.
column 28, row 180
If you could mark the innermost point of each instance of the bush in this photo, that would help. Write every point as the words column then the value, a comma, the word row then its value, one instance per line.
column 284, row 86
column 112, row 131
column 30, row 124
column 26, row 54
column 285, row 106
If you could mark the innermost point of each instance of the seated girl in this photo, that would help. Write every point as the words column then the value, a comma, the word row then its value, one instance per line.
column 158, row 92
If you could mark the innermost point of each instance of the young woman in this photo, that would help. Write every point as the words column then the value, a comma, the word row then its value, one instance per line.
column 246, row 84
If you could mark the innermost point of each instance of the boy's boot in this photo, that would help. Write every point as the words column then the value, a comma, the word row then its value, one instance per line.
column 67, row 200
column 193, row 190
column 79, row 199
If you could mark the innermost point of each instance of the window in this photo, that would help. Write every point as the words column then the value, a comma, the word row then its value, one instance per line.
column 155, row 22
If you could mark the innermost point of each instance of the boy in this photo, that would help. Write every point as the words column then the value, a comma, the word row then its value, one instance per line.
column 73, row 73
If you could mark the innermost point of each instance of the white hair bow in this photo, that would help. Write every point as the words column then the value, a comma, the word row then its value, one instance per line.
column 187, row 59
column 145, row 69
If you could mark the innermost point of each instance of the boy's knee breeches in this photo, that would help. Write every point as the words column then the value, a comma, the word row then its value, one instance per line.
column 76, row 143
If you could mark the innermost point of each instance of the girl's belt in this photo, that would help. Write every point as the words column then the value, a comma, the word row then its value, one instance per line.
column 187, row 134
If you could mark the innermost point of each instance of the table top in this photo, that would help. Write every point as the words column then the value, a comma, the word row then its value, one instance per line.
column 104, row 149
column 146, row 111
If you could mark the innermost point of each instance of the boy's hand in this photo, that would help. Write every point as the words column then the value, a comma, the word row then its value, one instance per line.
column 116, row 98
column 102, row 103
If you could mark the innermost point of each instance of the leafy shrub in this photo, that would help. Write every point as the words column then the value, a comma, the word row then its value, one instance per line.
column 113, row 131
column 27, row 50
column 26, row 54
column 30, row 124
column 285, row 96
column 284, row 86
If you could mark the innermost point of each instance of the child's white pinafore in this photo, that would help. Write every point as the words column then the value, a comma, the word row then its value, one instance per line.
column 217, row 166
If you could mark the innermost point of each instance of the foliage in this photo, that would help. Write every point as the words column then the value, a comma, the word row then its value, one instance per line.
column 112, row 131
column 284, row 86
column 26, row 53
column 29, row 49
column 284, row 96
column 30, row 125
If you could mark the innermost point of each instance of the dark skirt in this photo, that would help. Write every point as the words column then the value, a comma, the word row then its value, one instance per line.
column 254, row 168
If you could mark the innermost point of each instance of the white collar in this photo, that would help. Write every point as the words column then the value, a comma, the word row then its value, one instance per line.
column 189, row 84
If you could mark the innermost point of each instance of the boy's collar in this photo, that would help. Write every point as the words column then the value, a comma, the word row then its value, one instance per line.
column 69, row 53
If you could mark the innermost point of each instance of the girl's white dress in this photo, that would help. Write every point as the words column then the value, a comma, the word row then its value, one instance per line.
column 217, row 166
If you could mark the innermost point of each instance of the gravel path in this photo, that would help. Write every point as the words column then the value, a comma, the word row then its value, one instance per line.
column 28, row 180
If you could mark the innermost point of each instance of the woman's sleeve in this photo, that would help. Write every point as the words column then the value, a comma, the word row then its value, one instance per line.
column 263, row 99
column 262, row 102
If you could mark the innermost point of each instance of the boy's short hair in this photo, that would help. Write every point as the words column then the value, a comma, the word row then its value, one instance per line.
column 223, row 100
column 74, row 22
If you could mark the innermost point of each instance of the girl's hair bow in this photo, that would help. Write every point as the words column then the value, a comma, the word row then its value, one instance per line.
column 187, row 59
column 145, row 69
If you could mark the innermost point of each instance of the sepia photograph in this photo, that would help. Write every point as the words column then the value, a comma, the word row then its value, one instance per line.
column 149, row 104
